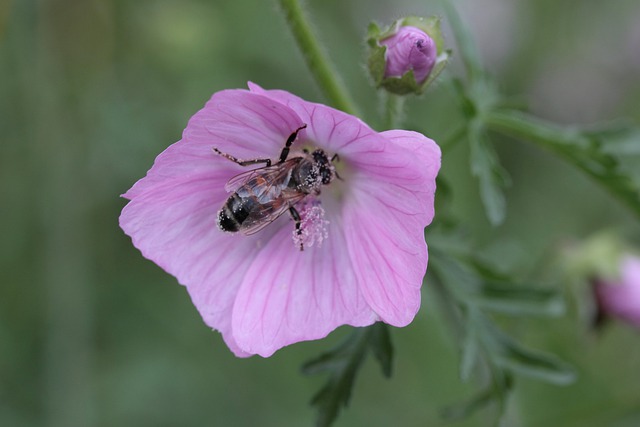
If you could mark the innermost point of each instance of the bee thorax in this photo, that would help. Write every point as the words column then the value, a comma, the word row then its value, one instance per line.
column 313, row 180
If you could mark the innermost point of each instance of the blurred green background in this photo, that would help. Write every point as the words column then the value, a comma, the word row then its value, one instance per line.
column 92, row 334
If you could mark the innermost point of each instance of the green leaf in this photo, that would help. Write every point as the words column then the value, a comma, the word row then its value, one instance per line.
column 621, row 140
column 538, row 365
column 462, row 410
column 337, row 357
column 479, row 286
column 618, row 138
column 373, row 31
column 326, row 362
column 532, row 363
column 519, row 300
column 592, row 152
column 497, row 392
column 376, row 62
column 498, row 292
column 491, row 176
column 458, row 278
column 467, row 104
column 380, row 342
column 473, row 293
column 445, row 219
column 335, row 394
column 470, row 352
column 343, row 363
column 441, row 63
column 401, row 85
column 475, row 288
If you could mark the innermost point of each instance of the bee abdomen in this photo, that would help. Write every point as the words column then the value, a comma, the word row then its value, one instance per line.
column 233, row 214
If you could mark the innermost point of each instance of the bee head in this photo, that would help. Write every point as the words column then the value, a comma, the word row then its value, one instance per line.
column 325, row 167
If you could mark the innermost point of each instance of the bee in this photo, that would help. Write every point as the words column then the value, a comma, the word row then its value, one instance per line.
column 261, row 195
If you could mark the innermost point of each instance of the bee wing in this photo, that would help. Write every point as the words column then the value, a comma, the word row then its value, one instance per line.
column 274, row 173
column 269, row 212
column 234, row 183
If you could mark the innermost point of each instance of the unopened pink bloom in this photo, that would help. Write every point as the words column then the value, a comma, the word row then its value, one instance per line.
column 366, row 260
column 621, row 298
column 409, row 48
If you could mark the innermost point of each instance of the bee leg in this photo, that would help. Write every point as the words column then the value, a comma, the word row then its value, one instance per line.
column 296, row 217
column 241, row 162
column 336, row 158
column 285, row 151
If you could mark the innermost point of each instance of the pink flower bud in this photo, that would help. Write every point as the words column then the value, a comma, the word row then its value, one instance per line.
column 409, row 49
column 621, row 298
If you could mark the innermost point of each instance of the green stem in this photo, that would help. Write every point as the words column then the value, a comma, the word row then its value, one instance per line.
column 317, row 61
column 533, row 129
column 571, row 145
column 393, row 112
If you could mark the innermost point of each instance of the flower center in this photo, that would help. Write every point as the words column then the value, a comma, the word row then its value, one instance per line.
column 313, row 226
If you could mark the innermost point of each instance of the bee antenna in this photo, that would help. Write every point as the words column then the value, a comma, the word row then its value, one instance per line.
column 335, row 157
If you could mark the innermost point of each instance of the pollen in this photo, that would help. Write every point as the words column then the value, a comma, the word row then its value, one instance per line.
column 313, row 226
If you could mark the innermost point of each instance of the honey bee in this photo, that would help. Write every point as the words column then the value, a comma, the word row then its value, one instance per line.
column 263, row 194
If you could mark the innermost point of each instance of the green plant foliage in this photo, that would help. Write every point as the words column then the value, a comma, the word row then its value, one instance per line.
column 92, row 334
column 606, row 155
column 491, row 176
column 474, row 290
column 342, row 364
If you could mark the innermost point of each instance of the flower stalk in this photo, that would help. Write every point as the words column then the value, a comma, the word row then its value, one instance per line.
column 318, row 63
column 394, row 110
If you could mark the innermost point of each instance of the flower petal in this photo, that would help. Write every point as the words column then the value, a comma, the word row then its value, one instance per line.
column 328, row 128
column 622, row 298
column 244, row 124
column 410, row 49
column 427, row 155
column 391, row 209
column 260, row 291
column 174, row 225
column 237, row 122
column 290, row 295
column 172, row 214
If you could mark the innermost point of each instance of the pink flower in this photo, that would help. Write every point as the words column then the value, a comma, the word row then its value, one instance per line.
column 365, row 259
column 409, row 48
column 621, row 298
